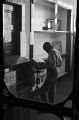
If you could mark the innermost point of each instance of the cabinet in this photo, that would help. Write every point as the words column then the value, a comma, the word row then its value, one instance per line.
column 51, row 22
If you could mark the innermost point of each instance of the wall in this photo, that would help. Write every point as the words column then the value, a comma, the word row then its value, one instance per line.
column 73, row 3
column 25, row 33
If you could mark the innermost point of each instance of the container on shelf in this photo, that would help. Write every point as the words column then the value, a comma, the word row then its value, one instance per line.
column 50, row 24
column 58, row 25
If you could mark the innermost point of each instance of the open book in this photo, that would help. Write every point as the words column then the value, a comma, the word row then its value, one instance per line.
column 38, row 60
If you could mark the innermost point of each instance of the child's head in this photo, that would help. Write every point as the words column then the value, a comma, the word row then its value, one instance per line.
column 47, row 46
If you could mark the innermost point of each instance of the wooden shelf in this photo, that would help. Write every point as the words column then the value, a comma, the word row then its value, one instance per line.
column 61, row 31
column 47, row 3
column 51, row 31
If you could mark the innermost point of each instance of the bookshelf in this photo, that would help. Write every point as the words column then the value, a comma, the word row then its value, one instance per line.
column 51, row 21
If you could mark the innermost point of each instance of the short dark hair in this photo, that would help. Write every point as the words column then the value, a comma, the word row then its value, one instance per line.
column 47, row 46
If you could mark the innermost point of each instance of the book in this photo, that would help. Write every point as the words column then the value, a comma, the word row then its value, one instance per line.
column 38, row 60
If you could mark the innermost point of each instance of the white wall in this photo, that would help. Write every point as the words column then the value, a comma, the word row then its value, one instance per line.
column 25, row 34
column 73, row 3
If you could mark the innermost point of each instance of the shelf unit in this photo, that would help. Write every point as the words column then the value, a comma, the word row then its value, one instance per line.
column 60, row 13
column 51, row 31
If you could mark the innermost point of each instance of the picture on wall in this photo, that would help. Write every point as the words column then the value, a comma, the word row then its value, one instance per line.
column 57, row 45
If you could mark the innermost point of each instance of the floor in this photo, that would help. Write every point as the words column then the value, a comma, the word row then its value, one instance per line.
column 64, row 87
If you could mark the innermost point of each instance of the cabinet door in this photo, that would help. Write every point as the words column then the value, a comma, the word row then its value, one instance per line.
column 17, row 23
